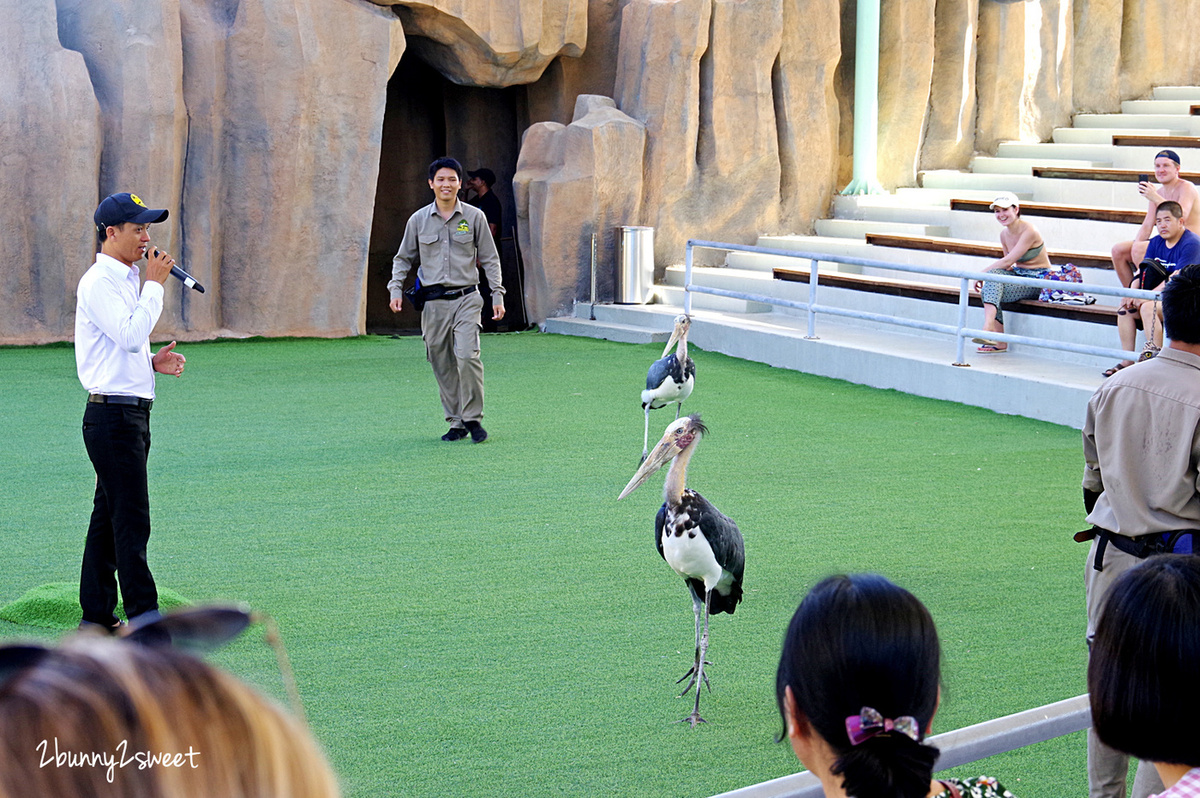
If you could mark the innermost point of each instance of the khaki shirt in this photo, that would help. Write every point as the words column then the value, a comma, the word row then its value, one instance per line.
column 445, row 251
column 1141, row 446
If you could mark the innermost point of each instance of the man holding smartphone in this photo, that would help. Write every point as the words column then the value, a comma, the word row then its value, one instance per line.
column 1128, row 254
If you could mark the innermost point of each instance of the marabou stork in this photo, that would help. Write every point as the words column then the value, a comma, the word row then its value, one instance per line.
column 699, row 542
column 670, row 378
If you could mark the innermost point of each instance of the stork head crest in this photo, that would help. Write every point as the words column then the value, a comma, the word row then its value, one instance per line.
column 679, row 436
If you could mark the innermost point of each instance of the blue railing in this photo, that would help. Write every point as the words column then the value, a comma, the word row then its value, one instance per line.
column 965, row 277
column 958, row 747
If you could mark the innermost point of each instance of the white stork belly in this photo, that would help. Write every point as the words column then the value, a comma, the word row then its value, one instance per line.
column 668, row 393
column 690, row 556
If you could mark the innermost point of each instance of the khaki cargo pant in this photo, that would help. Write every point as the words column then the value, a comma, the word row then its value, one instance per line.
column 450, row 328
column 1107, row 767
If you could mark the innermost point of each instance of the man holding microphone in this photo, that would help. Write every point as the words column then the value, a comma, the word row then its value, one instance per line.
column 114, row 316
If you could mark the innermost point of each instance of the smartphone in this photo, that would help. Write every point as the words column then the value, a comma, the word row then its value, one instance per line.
column 1143, row 178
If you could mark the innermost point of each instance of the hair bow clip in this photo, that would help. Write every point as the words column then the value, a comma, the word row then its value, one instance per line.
column 870, row 722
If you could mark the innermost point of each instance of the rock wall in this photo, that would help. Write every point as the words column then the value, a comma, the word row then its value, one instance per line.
column 258, row 123
column 50, row 144
column 574, row 182
column 493, row 44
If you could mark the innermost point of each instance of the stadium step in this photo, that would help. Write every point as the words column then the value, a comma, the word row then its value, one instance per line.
column 909, row 226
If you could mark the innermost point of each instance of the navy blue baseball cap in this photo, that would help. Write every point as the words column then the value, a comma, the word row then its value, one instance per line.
column 126, row 207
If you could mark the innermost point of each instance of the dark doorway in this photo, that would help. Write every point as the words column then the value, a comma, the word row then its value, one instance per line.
column 428, row 116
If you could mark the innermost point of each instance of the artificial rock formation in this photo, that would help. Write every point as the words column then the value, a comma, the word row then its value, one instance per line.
column 949, row 138
column 493, row 43
column 906, row 38
column 50, row 139
column 258, row 123
column 574, row 182
column 281, row 161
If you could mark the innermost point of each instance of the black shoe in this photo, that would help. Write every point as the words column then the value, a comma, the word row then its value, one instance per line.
column 478, row 433
column 455, row 434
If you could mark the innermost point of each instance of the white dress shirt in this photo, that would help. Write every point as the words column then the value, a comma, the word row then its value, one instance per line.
column 113, row 320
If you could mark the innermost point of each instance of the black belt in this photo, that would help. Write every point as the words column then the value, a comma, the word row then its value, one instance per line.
column 456, row 293
column 113, row 399
column 1140, row 546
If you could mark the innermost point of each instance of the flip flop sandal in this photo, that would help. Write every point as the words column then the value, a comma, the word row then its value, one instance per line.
column 1115, row 369
column 991, row 349
column 985, row 341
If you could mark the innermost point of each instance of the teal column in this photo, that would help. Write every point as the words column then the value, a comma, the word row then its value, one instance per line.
column 866, row 100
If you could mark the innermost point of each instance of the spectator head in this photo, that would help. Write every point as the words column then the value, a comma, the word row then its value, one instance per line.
column 1181, row 305
column 1173, row 207
column 111, row 699
column 445, row 163
column 859, row 643
column 1144, row 661
column 485, row 174
column 1006, row 199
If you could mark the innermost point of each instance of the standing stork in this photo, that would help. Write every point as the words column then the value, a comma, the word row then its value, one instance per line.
column 670, row 378
column 696, row 539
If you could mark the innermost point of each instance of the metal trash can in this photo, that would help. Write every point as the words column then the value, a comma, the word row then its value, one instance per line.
column 635, row 264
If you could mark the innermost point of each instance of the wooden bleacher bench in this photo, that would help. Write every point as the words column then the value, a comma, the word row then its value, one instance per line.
column 1139, row 140
column 1103, row 173
column 1092, row 260
column 1096, row 314
column 1058, row 211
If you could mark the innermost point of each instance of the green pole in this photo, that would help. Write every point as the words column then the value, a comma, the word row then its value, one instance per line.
column 866, row 100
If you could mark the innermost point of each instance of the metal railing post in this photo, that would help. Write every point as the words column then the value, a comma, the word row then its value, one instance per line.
column 964, row 300
column 812, row 299
column 687, row 281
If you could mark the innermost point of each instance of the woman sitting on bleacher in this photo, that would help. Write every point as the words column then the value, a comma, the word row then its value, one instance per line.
column 1143, row 666
column 857, row 686
column 1024, row 255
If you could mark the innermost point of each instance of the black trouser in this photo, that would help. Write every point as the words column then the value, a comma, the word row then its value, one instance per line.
column 118, row 441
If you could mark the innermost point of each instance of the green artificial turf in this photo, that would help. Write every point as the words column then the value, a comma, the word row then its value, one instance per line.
column 56, row 606
column 471, row 620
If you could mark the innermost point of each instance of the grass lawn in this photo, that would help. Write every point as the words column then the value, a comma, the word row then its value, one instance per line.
column 477, row 620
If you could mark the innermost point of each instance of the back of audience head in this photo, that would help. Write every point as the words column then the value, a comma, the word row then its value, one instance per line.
column 1145, row 659
column 1181, row 305
column 116, row 699
column 860, row 642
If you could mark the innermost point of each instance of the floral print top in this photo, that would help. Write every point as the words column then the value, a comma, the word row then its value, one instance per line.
column 978, row 787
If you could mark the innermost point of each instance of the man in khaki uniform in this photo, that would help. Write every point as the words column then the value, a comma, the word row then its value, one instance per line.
column 1141, row 448
column 444, row 239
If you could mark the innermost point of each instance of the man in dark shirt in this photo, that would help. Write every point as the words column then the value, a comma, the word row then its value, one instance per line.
column 481, row 181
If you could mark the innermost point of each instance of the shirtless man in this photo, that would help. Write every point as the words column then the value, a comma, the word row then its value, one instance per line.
column 1128, row 254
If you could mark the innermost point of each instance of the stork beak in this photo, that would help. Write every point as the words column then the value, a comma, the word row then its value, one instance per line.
column 662, row 454
column 671, row 341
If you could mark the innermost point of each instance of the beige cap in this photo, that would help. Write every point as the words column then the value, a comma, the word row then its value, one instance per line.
column 1005, row 199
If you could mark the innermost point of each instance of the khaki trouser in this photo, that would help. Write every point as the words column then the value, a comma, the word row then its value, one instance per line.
column 1107, row 767
column 450, row 328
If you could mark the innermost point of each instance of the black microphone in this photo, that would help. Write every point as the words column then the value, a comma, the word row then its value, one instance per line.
column 186, row 278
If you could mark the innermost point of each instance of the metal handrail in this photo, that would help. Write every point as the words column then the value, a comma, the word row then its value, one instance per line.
column 958, row 747
column 960, row 331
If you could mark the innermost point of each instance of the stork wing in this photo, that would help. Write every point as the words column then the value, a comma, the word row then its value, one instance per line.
column 659, row 371
column 723, row 537
column 660, row 521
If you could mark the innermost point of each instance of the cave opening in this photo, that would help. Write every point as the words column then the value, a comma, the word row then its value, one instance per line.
column 428, row 116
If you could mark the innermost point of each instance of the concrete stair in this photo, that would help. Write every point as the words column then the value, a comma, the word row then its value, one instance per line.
column 1040, row 383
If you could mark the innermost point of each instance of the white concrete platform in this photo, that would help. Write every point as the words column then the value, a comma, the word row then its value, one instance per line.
column 1014, row 383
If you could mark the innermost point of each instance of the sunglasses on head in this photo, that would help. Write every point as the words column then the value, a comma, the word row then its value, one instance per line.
column 198, row 630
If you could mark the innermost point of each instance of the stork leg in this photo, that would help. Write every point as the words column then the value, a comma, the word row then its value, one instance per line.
column 646, row 434
column 695, row 670
column 695, row 718
column 678, row 407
